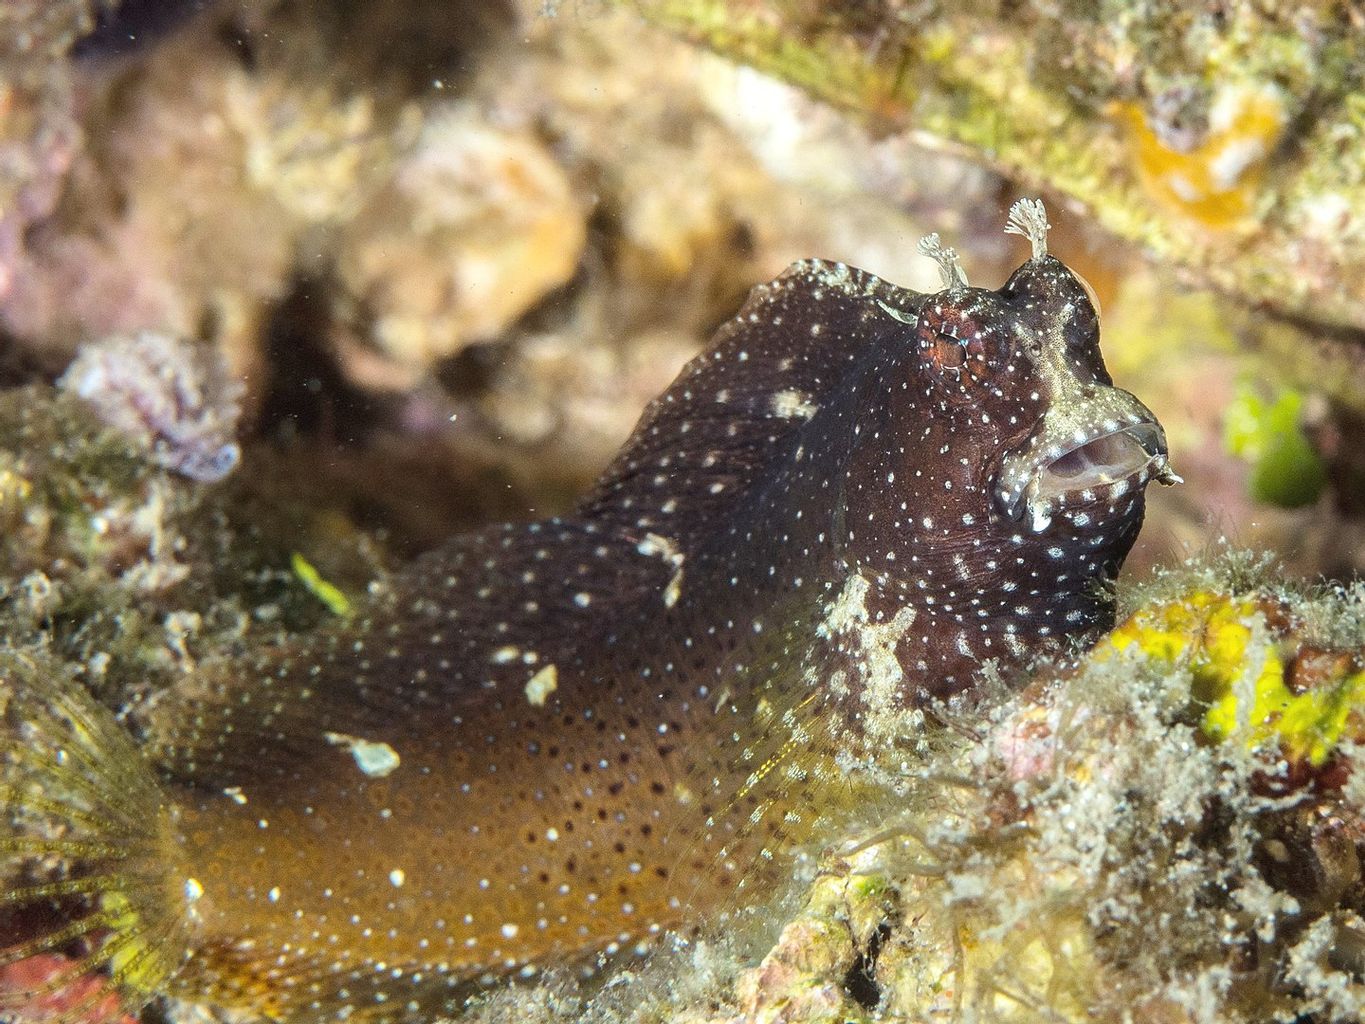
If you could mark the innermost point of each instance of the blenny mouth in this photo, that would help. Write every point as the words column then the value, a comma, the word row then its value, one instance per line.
column 1103, row 460
column 1088, row 465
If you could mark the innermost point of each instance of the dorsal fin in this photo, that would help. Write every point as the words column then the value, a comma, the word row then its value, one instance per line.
column 746, row 402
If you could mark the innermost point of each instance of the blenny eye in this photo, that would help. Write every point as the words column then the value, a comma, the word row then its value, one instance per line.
column 960, row 350
column 947, row 352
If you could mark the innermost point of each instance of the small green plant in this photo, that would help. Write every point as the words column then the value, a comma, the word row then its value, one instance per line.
column 1268, row 433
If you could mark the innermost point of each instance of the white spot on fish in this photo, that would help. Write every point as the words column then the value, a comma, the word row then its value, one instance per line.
column 375, row 759
column 541, row 685
column 792, row 404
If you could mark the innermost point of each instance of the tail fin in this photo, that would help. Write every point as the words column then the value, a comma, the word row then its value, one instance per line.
column 93, row 911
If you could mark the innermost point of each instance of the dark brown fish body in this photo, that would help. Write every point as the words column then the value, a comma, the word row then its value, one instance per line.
column 564, row 738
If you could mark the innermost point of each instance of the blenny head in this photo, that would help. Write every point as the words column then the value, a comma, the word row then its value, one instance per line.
column 1021, row 367
column 1094, row 442
column 1016, row 468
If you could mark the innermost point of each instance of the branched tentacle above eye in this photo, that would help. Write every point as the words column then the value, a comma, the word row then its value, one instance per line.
column 1028, row 217
column 949, row 267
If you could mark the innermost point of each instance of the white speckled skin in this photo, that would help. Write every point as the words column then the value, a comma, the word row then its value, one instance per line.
column 597, row 728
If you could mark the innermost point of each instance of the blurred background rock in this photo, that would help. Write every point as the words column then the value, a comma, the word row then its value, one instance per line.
column 453, row 248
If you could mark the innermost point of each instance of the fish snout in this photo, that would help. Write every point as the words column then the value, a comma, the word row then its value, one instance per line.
column 1093, row 450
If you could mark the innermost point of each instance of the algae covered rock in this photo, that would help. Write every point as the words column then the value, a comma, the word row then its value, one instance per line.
column 1169, row 827
column 121, row 568
column 476, row 226
column 1219, row 137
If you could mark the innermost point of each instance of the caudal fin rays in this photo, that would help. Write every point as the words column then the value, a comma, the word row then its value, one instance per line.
column 92, row 927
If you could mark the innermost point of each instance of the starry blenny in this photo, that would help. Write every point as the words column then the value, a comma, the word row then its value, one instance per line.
column 563, row 738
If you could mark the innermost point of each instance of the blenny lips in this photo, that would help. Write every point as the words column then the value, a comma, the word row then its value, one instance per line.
column 562, row 738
